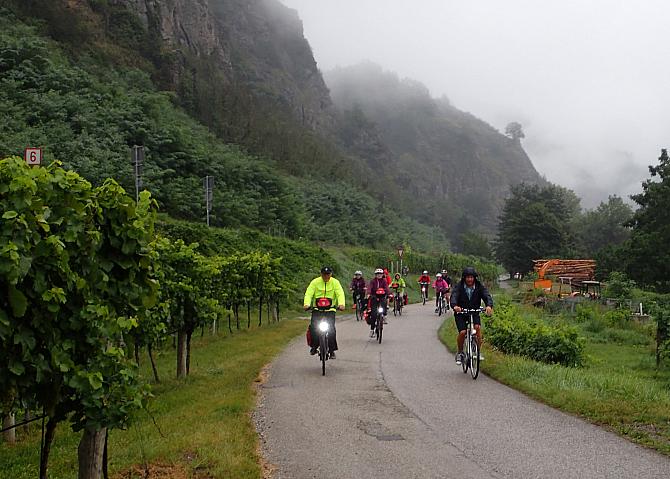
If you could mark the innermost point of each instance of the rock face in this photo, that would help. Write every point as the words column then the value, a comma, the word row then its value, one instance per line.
column 416, row 149
column 257, row 43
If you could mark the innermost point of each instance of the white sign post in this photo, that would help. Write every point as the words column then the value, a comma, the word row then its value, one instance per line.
column 33, row 156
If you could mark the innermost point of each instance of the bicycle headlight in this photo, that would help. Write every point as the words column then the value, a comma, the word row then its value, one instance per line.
column 324, row 326
column 380, row 309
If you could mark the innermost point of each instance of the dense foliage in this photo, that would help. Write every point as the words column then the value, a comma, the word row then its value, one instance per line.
column 76, row 269
column 512, row 333
column 90, row 115
column 649, row 261
column 536, row 223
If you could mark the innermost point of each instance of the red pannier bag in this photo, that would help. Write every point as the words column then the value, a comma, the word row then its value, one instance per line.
column 308, row 335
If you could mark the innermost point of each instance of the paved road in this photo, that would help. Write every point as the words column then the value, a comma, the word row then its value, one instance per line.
column 403, row 409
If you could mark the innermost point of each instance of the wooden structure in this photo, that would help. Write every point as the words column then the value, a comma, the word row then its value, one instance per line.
column 576, row 271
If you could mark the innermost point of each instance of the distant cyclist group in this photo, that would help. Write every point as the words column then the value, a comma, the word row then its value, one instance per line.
column 325, row 295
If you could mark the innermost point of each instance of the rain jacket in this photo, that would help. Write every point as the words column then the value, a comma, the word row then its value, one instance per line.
column 401, row 284
column 318, row 288
column 377, row 283
column 440, row 285
column 358, row 284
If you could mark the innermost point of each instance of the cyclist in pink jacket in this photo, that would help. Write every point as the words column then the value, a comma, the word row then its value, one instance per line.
column 440, row 286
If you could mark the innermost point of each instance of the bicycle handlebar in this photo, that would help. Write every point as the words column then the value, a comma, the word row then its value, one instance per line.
column 476, row 310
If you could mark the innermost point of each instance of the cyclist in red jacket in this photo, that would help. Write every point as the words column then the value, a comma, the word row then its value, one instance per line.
column 424, row 281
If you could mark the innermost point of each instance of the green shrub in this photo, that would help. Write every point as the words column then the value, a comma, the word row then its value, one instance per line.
column 585, row 313
column 511, row 333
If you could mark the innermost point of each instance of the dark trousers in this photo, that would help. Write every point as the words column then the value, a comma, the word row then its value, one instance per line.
column 356, row 295
column 374, row 304
column 332, row 333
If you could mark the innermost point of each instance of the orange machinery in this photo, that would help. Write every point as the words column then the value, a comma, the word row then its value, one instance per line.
column 540, row 282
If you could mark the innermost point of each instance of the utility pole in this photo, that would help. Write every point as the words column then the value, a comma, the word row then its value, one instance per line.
column 208, row 183
column 138, row 164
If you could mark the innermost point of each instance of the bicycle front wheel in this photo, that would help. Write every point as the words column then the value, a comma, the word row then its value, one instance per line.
column 474, row 357
column 465, row 360
column 323, row 350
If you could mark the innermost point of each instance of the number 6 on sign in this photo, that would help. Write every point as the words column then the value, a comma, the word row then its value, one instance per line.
column 33, row 156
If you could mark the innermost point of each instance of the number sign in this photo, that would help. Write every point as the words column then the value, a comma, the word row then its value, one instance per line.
column 33, row 156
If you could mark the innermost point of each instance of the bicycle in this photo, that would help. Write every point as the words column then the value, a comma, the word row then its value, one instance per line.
column 441, row 303
column 424, row 292
column 360, row 305
column 378, row 308
column 397, row 301
column 471, row 347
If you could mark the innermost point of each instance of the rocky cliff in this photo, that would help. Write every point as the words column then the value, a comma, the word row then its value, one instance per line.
column 257, row 44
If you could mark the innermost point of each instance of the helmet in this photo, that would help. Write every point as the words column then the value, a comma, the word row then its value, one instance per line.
column 469, row 271
column 379, row 271
column 425, row 272
column 444, row 272
column 358, row 273
column 327, row 270
column 438, row 275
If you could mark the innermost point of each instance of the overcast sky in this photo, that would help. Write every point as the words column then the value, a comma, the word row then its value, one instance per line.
column 588, row 79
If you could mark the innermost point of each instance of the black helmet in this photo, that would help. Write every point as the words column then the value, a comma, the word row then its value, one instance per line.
column 327, row 270
column 469, row 271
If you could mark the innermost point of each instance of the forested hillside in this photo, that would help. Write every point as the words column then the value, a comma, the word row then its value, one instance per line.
column 88, row 116
column 230, row 88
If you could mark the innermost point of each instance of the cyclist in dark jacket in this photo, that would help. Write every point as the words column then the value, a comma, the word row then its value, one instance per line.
column 469, row 294
column 358, row 287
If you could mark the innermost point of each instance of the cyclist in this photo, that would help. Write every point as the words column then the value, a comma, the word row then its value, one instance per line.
column 324, row 286
column 440, row 286
column 387, row 275
column 447, row 278
column 399, row 284
column 424, row 280
column 469, row 294
column 378, row 282
column 357, row 287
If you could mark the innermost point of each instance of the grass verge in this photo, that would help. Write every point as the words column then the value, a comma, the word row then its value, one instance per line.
column 619, row 387
column 198, row 427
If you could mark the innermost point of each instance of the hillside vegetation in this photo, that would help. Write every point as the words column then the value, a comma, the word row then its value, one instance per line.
column 246, row 72
column 88, row 115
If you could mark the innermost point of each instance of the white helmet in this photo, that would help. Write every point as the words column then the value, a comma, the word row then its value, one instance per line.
column 438, row 275
column 379, row 271
column 357, row 273
column 425, row 272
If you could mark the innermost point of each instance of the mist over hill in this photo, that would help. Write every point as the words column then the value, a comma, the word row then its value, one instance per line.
column 439, row 154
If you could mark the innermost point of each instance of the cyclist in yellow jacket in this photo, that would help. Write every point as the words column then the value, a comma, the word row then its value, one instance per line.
column 324, row 287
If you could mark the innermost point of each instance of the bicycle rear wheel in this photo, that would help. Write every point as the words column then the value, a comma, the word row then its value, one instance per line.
column 380, row 328
column 474, row 357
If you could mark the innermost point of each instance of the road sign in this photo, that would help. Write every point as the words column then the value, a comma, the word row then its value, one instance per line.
column 401, row 251
column 33, row 156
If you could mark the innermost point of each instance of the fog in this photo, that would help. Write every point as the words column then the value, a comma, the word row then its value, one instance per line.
column 588, row 79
